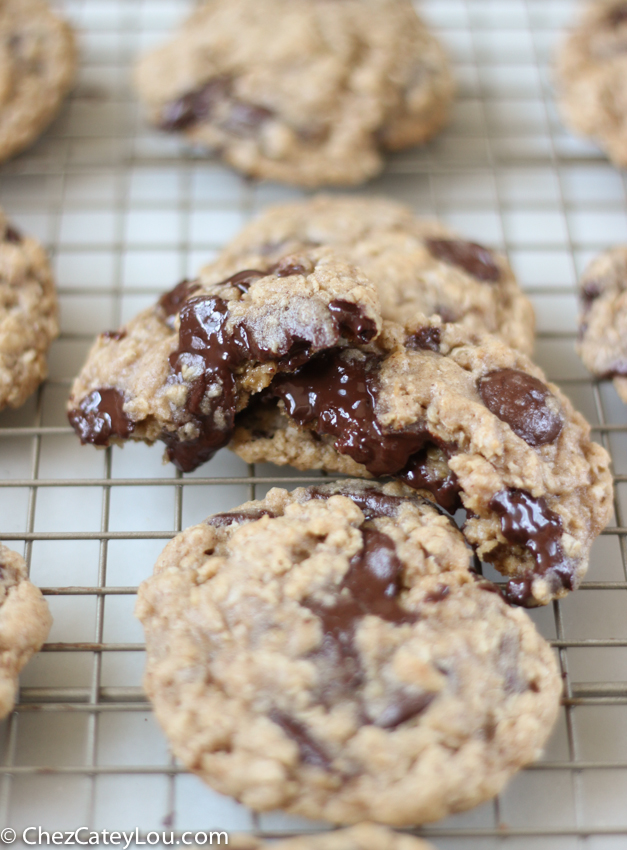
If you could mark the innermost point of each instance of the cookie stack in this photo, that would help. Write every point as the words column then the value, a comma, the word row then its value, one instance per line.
column 333, row 651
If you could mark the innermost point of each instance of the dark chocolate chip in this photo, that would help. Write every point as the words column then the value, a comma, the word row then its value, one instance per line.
column 437, row 595
column 529, row 522
column 238, row 517
column 352, row 321
column 372, row 503
column 311, row 751
column 172, row 301
column 520, row 400
column 405, row 707
column 475, row 259
column 116, row 336
column 12, row 235
column 288, row 267
column 195, row 106
column 425, row 339
column 421, row 473
column 244, row 280
column 100, row 417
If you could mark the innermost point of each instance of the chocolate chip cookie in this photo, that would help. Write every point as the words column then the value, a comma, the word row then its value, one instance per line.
column 473, row 424
column 602, row 341
column 365, row 836
column 181, row 370
column 37, row 67
column 24, row 624
column 329, row 652
column 418, row 266
column 28, row 314
column 304, row 92
column 591, row 68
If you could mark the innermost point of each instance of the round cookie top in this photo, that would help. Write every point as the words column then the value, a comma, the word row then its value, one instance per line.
column 181, row 370
column 471, row 423
column 37, row 66
column 364, row 836
column 602, row 341
column 590, row 72
column 28, row 314
column 24, row 624
column 418, row 266
column 299, row 91
column 330, row 653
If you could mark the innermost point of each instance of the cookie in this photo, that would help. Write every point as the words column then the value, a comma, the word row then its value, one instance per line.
column 365, row 836
column 303, row 92
column 472, row 424
column 418, row 266
column 28, row 314
column 330, row 653
column 24, row 624
column 181, row 370
column 37, row 67
column 591, row 66
column 602, row 343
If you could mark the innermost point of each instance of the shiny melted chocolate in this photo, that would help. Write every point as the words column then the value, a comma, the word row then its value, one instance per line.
column 421, row 474
column 237, row 517
column 372, row 503
column 172, row 301
column 529, row 522
column 520, row 400
column 474, row 259
column 351, row 318
column 425, row 339
column 100, row 417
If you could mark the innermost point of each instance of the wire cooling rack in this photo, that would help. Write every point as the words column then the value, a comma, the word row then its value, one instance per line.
column 126, row 213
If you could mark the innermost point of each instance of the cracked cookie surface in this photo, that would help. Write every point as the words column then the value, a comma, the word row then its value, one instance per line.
column 591, row 67
column 303, row 92
column 180, row 371
column 37, row 67
column 602, row 343
column 417, row 266
column 364, row 836
column 329, row 652
column 28, row 314
column 472, row 424
column 24, row 624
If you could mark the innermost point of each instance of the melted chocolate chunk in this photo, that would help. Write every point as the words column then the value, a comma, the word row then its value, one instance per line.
column 311, row 751
column 425, row 339
column 12, row 235
column 100, row 416
column 372, row 503
column 172, row 301
column 422, row 474
column 475, row 259
column 529, row 522
column 520, row 400
column 405, row 707
column 338, row 396
column 287, row 267
column 244, row 280
column 116, row 336
column 195, row 106
column 353, row 321
column 239, row 517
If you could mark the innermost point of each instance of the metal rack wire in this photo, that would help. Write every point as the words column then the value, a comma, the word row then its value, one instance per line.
column 125, row 214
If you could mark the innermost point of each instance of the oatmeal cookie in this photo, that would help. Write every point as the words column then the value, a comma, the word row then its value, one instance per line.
column 418, row 266
column 37, row 67
column 304, row 92
column 24, row 624
column 472, row 423
column 28, row 314
column 329, row 652
column 180, row 370
column 590, row 74
column 602, row 341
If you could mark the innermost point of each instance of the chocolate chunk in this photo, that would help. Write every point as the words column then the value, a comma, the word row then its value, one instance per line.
column 311, row 751
column 116, row 336
column 352, row 320
column 239, row 517
column 529, row 522
column 172, row 301
column 245, row 119
column 195, row 106
column 520, row 400
column 405, row 707
column 288, row 267
column 100, row 416
column 437, row 595
column 338, row 395
column 372, row 503
column 590, row 291
column 12, row 235
column 475, row 259
column 424, row 339
column 244, row 280
column 422, row 473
